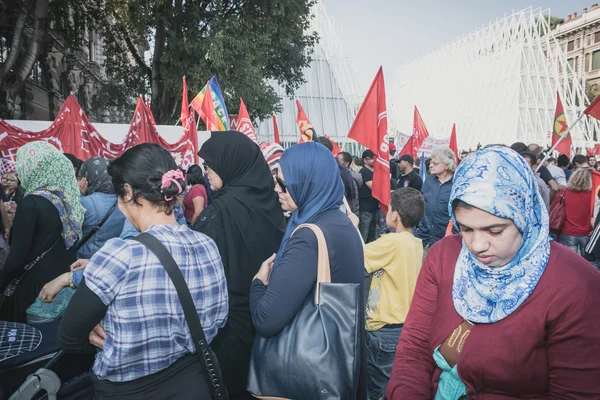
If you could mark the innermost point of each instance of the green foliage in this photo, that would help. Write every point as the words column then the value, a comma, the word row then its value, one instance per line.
column 247, row 44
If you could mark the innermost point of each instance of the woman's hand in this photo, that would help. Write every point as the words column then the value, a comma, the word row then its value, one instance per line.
column 51, row 289
column 97, row 336
column 79, row 264
column 264, row 273
column 83, row 186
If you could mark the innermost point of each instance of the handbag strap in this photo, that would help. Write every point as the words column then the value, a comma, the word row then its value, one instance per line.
column 189, row 310
column 96, row 228
column 323, row 268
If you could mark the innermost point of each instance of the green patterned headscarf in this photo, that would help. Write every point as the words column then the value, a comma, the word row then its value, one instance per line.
column 46, row 172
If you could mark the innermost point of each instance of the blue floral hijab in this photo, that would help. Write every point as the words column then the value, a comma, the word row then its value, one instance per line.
column 499, row 181
column 312, row 178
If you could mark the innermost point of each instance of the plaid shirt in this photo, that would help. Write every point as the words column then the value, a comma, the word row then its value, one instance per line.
column 145, row 326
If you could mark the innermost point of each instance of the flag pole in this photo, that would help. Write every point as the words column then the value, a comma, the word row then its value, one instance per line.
column 564, row 135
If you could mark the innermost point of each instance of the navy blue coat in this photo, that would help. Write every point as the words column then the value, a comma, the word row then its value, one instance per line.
column 435, row 221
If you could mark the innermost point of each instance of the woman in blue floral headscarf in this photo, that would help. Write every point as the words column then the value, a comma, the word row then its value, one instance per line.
column 500, row 311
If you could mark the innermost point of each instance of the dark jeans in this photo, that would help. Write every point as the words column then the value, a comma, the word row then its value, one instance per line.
column 575, row 243
column 367, row 225
column 381, row 346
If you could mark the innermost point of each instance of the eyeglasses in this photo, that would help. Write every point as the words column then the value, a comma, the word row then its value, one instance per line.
column 281, row 184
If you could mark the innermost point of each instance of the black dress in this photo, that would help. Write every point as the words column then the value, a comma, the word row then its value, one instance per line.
column 36, row 228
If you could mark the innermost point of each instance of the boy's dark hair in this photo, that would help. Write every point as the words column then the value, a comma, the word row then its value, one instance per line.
column 409, row 204
column 357, row 161
column 529, row 156
column 562, row 161
column 551, row 160
column 580, row 159
column 325, row 142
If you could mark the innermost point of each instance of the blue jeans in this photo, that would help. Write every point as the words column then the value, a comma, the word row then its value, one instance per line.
column 381, row 345
column 367, row 225
column 575, row 243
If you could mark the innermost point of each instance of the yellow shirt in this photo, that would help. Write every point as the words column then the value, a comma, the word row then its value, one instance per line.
column 395, row 261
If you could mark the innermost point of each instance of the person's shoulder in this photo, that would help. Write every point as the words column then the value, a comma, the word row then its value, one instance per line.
column 570, row 274
column 446, row 248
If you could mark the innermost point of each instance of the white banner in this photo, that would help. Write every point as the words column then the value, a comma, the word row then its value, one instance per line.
column 426, row 148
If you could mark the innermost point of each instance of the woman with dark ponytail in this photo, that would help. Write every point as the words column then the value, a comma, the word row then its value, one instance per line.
column 127, row 300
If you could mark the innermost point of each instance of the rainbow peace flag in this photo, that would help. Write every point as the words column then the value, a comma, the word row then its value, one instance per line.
column 223, row 122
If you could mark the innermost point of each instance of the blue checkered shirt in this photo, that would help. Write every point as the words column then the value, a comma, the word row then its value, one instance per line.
column 145, row 326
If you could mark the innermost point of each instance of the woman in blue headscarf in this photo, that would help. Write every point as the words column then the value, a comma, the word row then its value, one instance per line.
column 310, row 187
column 501, row 312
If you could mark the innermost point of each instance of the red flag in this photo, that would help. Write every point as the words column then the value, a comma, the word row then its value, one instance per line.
column 594, row 151
column 419, row 132
column 370, row 129
column 306, row 129
column 275, row 130
column 185, row 105
column 453, row 144
column 595, row 187
column 593, row 109
column 208, row 111
column 245, row 124
column 336, row 149
column 560, row 128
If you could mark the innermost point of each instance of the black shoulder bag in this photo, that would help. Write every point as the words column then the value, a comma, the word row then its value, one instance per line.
column 208, row 359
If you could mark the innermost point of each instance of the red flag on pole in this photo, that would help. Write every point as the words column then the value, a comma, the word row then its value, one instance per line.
column 336, row 149
column 370, row 129
column 416, row 140
column 560, row 127
column 593, row 109
column 245, row 124
column 188, row 119
column 453, row 143
column 306, row 129
column 594, row 151
column 208, row 111
column 185, row 105
column 275, row 130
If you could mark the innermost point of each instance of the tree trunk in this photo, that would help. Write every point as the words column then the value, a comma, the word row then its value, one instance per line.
column 16, row 42
column 157, row 84
column 36, row 40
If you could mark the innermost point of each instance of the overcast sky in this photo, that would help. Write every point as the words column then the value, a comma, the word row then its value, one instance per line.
column 393, row 32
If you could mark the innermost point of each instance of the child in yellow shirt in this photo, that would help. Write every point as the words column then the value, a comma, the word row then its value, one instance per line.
column 394, row 260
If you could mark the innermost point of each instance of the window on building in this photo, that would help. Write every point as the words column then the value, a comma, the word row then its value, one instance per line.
column 570, row 45
column 576, row 66
column 571, row 63
column 596, row 60
column 587, row 62
column 577, row 43
column 597, row 37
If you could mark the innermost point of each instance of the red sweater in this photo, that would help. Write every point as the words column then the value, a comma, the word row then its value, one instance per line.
column 549, row 348
column 578, row 214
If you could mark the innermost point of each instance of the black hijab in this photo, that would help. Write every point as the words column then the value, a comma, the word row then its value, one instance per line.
column 249, row 219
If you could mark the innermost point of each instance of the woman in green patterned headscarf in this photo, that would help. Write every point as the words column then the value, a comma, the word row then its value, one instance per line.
column 46, row 172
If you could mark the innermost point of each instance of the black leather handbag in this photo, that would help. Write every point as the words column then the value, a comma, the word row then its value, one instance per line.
column 317, row 355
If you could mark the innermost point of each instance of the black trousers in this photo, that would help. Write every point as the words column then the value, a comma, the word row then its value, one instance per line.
column 183, row 380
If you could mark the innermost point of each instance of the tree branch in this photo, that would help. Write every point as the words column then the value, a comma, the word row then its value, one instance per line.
column 138, row 59
column 37, row 37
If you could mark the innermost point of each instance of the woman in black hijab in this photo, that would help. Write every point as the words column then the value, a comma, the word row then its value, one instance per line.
column 247, row 223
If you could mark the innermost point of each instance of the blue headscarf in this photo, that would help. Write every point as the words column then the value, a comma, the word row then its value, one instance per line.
column 312, row 178
column 499, row 181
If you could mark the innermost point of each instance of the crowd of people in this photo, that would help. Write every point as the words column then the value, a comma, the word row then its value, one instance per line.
column 477, row 282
